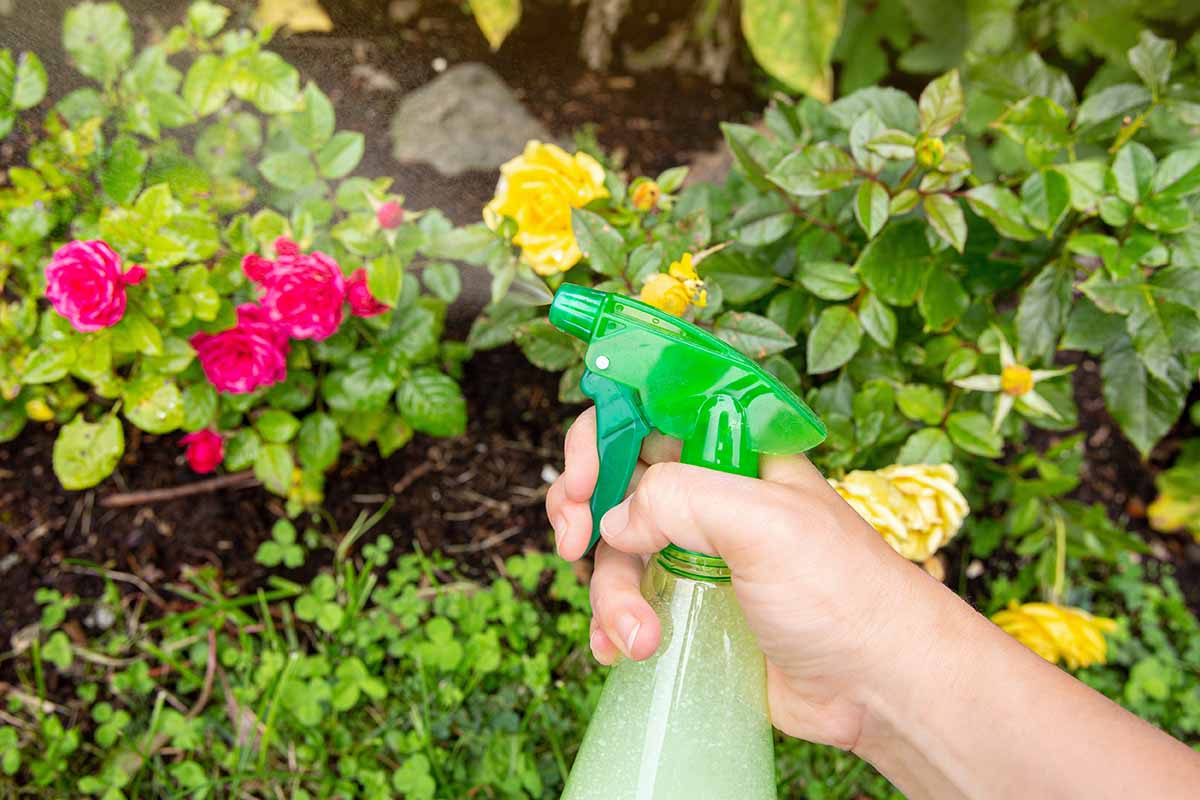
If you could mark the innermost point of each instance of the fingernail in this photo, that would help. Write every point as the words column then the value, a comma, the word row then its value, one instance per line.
column 629, row 627
column 559, row 524
column 594, row 642
column 616, row 519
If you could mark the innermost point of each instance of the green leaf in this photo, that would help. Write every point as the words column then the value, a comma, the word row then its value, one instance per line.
column 153, row 404
column 385, row 278
column 98, row 39
column 1045, row 198
column 199, row 406
column 241, row 449
column 813, row 171
column 793, row 41
column 207, row 85
column 1151, row 338
column 58, row 651
column 341, row 154
column 432, row 403
column 946, row 218
column 922, row 403
column 50, row 362
column 1133, row 172
column 274, row 466
column 547, row 347
column 894, row 107
column 290, row 171
column 312, row 125
column 755, row 153
column 756, row 336
column 269, row 82
column 600, row 243
column 742, row 277
column 878, row 321
column 1111, row 102
column 276, row 425
column 834, row 340
column 86, row 453
column 30, row 85
column 1092, row 330
column 972, row 432
column 1043, row 312
column 894, row 264
column 363, row 386
column 829, row 280
column 865, row 129
column 941, row 104
column 943, row 301
column 1178, row 175
column 1085, row 183
column 1151, row 59
column 318, row 442
column 121, row 175
column 893, row 145
column 442, row 279
column 496, row 19
column 392, row 435
column 1000, row 206
column 1142, row 405
column 871, row 207
column 206, row 18
column 926, row 446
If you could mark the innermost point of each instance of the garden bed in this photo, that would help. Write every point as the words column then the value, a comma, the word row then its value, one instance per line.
column 477, row 497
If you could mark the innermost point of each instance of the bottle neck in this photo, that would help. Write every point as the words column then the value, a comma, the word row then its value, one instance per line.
column 693, row 565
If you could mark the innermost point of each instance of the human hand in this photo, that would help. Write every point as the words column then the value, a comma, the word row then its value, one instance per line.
column 819, row 587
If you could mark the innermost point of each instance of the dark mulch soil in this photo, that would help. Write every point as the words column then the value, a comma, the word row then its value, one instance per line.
column 478, row 497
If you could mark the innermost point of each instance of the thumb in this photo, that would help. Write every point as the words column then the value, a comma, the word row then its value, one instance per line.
column 753, row 524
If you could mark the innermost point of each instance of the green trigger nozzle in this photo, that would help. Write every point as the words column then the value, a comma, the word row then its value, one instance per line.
column 648, row 370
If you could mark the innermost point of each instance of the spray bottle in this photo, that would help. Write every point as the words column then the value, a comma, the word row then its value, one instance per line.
column 691, row 721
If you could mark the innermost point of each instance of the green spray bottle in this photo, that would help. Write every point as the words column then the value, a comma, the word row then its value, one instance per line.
column 691, row 721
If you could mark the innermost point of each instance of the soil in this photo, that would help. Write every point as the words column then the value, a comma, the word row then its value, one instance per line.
column 478, row 497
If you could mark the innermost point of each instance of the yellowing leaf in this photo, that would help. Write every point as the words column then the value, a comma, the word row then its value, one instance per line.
column 496, row 19
column 298, row 16
column 793, row 41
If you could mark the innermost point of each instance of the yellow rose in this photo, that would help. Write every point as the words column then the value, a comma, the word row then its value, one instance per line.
column 915, row 507
column 676, row 289
column 538, row 189
column 666, row 293
column 645, row 195
column 1057, row 632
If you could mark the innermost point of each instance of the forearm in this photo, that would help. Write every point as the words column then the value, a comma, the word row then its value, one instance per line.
column 972, row 713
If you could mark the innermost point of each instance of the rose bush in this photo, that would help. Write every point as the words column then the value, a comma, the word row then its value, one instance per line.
column 188, row 251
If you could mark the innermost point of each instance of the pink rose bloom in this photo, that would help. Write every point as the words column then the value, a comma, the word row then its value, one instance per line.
column 389, row 215
column 205, row 449
column 362, row 302
column 249, row 355
column 302, row 293
column 86, row 284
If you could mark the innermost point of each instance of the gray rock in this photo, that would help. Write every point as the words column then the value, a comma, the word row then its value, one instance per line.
column 465, row 119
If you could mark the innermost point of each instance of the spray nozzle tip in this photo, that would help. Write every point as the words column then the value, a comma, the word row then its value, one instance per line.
column 575, row 310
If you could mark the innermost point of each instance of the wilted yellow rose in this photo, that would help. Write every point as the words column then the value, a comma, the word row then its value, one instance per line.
column 917, row 508
column 1057, row 633
column 645, row 195
column 538, row 189
column 676, row 289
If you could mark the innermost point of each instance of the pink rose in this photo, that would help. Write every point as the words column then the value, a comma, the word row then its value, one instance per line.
column 249, row 355
column 205, row 449
column 303, row 294
column 362, row 302
column 389, row 215
column 85, row 284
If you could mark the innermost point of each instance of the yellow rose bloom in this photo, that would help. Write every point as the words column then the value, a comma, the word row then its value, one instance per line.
column 538, row 189
column 645, row 195
column 917, row 508
column 1057, row 633
column 676, row 289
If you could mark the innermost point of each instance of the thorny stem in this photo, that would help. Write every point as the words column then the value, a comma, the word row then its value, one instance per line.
column 1060, row 558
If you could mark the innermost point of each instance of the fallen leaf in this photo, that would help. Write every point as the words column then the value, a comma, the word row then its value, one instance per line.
column 298, row 16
